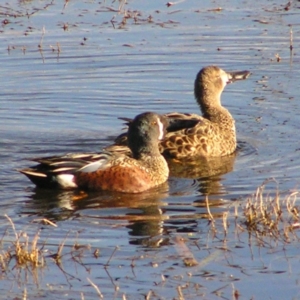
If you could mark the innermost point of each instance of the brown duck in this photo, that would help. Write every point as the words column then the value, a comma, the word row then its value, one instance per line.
column 211, row 135
column 109, row 171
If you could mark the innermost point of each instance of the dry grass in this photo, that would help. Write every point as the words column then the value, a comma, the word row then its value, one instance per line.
column 269, row 215
column 24, row 251
column 273, row 216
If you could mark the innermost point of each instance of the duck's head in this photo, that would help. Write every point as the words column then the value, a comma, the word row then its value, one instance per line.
column 145, row 131
column 211, row 81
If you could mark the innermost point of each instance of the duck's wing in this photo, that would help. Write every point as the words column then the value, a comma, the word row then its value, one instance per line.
column 192, row 141
column 49, row 171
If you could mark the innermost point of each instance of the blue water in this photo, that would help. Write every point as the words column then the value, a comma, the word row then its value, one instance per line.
column 69, row 101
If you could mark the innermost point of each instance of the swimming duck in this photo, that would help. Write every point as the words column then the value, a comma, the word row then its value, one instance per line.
column 110, row 171
column 211, row 135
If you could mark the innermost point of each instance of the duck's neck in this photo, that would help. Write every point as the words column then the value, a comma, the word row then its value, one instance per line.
column 210, row 105
column 153, row 161
column 156, row 164
column 145, row 151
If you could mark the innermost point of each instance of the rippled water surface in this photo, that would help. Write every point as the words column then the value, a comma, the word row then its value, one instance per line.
column 67, row 74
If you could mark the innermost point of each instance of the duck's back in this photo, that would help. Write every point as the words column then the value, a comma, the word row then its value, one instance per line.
column 208, row 138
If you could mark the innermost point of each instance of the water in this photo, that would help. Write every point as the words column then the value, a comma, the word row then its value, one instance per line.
column 69, row 101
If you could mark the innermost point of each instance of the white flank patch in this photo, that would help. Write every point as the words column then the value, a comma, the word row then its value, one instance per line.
column 66, row 181
column 161, row 129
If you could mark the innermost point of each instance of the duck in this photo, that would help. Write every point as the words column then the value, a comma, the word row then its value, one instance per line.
column 110, row 171
column 212, row 134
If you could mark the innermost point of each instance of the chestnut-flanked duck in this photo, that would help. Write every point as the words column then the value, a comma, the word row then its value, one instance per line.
column 109, row 171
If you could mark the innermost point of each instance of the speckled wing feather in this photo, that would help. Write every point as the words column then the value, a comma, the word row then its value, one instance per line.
column 189, row 141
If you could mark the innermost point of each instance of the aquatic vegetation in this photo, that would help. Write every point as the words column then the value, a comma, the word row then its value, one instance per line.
column 273, row 216
column 23, row 250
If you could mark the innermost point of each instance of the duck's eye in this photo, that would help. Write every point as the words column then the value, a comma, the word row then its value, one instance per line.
column 154, row 123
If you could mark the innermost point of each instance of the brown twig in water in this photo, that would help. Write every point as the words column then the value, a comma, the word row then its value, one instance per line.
column 44, row 221
column 113, row 22
column 57, row 256
column 148, row 295
column 179, row 290
column 121, row 5
column 183, row 250
column 291, row 37
column 40, row 45
column 42, row 38
column 116, row 248
column 208, row 209
column 66, row 4
column 168, row 4
column 95, row 287
column 12, row 225
column 225, row 216
column 291, row 45
column 211, row 218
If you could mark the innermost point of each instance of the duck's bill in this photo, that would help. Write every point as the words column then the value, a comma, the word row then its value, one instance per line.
column 238, row 75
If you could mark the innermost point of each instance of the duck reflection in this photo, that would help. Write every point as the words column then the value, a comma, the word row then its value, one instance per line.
column 202, row 167
column 206, row 171
column 53, row 203
column 143, row 213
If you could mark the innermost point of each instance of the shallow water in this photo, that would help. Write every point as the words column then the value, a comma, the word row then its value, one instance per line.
column 56, row 102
